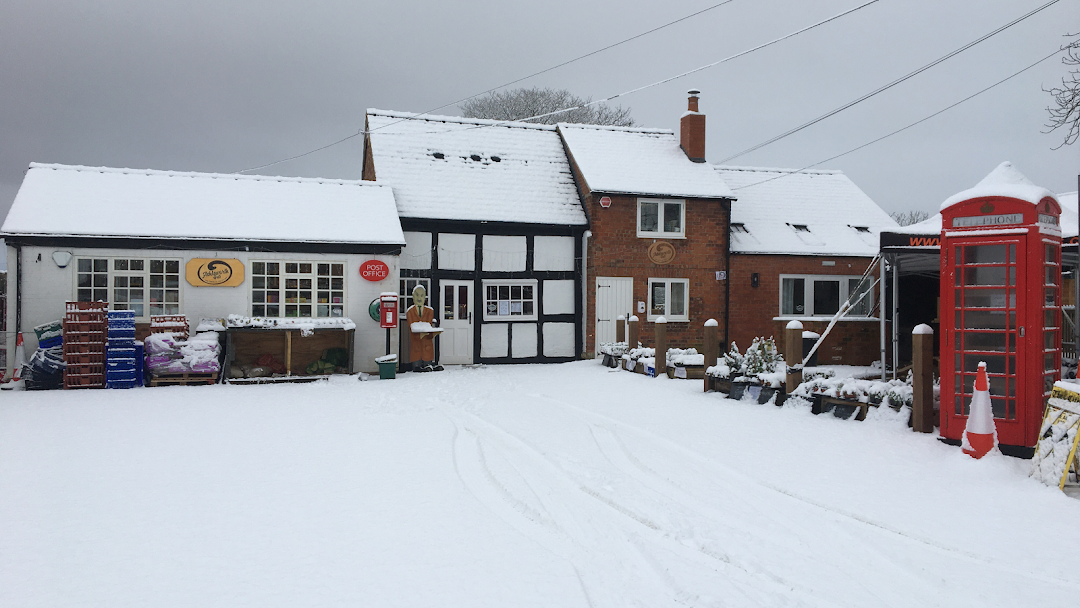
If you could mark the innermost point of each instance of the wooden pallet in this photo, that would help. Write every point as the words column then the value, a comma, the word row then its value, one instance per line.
column 190, row 378
column 278, row 380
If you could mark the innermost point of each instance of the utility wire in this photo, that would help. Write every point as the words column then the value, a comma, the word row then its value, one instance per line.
column 902, row 129
column 641, row 88
column 709, row 65
column 891, row 84
column 502, row 86
column 565, row 63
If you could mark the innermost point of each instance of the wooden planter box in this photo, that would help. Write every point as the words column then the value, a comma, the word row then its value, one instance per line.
column 295, row 351
column 840, row 408
column 689, row 372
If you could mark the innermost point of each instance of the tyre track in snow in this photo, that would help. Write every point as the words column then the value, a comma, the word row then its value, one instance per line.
column 746, row 582
column 569, row 488
column 556, row 528
column 746, row 481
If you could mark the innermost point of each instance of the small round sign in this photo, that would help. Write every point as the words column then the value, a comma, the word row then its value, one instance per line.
column 605, row 201
column 374, row 270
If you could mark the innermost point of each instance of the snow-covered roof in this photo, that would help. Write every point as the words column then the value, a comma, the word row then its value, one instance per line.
column 1004, row 180
column 64, row 200
column 801, row 213
column 626, row 160
column 444, row 167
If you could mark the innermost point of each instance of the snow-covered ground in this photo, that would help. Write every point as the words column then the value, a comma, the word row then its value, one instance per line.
column 539, row 485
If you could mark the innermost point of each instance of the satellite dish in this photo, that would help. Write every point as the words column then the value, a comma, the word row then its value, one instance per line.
column 62, row 258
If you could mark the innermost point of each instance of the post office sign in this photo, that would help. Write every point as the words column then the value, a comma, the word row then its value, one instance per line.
column 214, row 272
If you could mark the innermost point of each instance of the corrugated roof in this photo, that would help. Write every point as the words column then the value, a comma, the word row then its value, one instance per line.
column 801, row 213
column 65, row 200
column 626, row 160
column 444, row 167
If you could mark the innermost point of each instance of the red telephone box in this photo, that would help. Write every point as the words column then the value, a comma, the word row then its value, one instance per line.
column 388, row 315
column 1000, row 303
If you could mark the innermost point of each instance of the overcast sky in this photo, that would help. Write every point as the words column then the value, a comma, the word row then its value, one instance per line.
column 222, row 86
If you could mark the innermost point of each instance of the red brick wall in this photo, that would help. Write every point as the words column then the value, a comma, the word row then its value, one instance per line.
column 754, row 308
column 616, row 251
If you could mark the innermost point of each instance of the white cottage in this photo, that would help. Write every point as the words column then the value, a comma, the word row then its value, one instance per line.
column 494, row 227
column 142, row 240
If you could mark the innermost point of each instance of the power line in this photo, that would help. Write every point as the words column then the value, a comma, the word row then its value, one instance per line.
column 902, row 129
column 631, row 91
column 713, row 64
column 565, row 63
column 891, row 84
column 512, row 82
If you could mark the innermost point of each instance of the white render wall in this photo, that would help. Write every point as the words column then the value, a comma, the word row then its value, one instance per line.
column 417, row 252
column 457, row 251
column 553, row 253
column 504, row 253
column 46, row 287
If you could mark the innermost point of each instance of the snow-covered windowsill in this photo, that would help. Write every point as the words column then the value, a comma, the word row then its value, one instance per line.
column 826, row 319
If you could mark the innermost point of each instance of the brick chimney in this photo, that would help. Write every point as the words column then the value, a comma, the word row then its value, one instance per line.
column 692, row 129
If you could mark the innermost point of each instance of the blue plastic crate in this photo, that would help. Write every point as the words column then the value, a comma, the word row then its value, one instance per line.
column 121, row 376
column 121, row 314
column 121, row 365
column 121, row 323
column 121, row 352
column 116, row 343
column 122, row 332
column 140, row 361
column 51, row 342
column 122, row 383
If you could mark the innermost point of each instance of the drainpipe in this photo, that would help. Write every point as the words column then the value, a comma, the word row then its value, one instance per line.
column 881, row 314
column 895, row 315
column 585, row 290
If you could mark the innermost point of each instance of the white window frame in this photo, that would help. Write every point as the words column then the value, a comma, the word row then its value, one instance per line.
column 511, row 283
column 111, row 273
column 659, row 233
column 405, row 299
column 808, row 296
column 283, row 276
column 649, row 316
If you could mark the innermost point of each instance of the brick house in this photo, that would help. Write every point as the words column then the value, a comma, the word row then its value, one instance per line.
column 658, row 221
column 800, row 242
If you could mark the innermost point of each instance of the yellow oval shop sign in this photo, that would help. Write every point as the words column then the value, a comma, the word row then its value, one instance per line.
column 216, row 272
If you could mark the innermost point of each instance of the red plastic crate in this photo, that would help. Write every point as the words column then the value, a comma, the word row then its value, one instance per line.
column 81, row 306
column 83, row 327
column 71, row 348
column 86, row 316
column 84, row 358
column 78, row 381
column 96, row 337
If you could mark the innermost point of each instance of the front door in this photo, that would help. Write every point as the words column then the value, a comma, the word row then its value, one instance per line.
column 456, row 341
column 614, row 297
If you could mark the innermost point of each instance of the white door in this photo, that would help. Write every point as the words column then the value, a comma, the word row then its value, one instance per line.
column 614, row 297
column 456, row 341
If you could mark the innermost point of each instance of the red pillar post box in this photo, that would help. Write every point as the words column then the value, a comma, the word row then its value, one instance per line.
column 1000, row 303
column 388, row 313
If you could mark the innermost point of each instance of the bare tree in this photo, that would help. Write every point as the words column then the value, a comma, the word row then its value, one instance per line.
column 1066, row 111
column 518, row 104
column 907, row 218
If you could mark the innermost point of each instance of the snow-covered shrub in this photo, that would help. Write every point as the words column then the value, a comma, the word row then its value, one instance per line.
column 615, row 349
column 761, row 364
column 681, row 357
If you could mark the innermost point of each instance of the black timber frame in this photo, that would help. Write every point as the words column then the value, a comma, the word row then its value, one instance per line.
column 480, row 229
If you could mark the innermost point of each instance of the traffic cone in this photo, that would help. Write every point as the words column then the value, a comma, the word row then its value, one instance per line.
column 980, row 434
column 16, row 382
column 20, row 359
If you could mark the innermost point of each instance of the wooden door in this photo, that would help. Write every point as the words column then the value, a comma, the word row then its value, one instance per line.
column 456, row 341
column 614, row 297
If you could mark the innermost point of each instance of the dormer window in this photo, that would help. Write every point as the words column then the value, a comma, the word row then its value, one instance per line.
column 861, row 228
column 800, row 227
column 661, row 218
column 739, row 227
